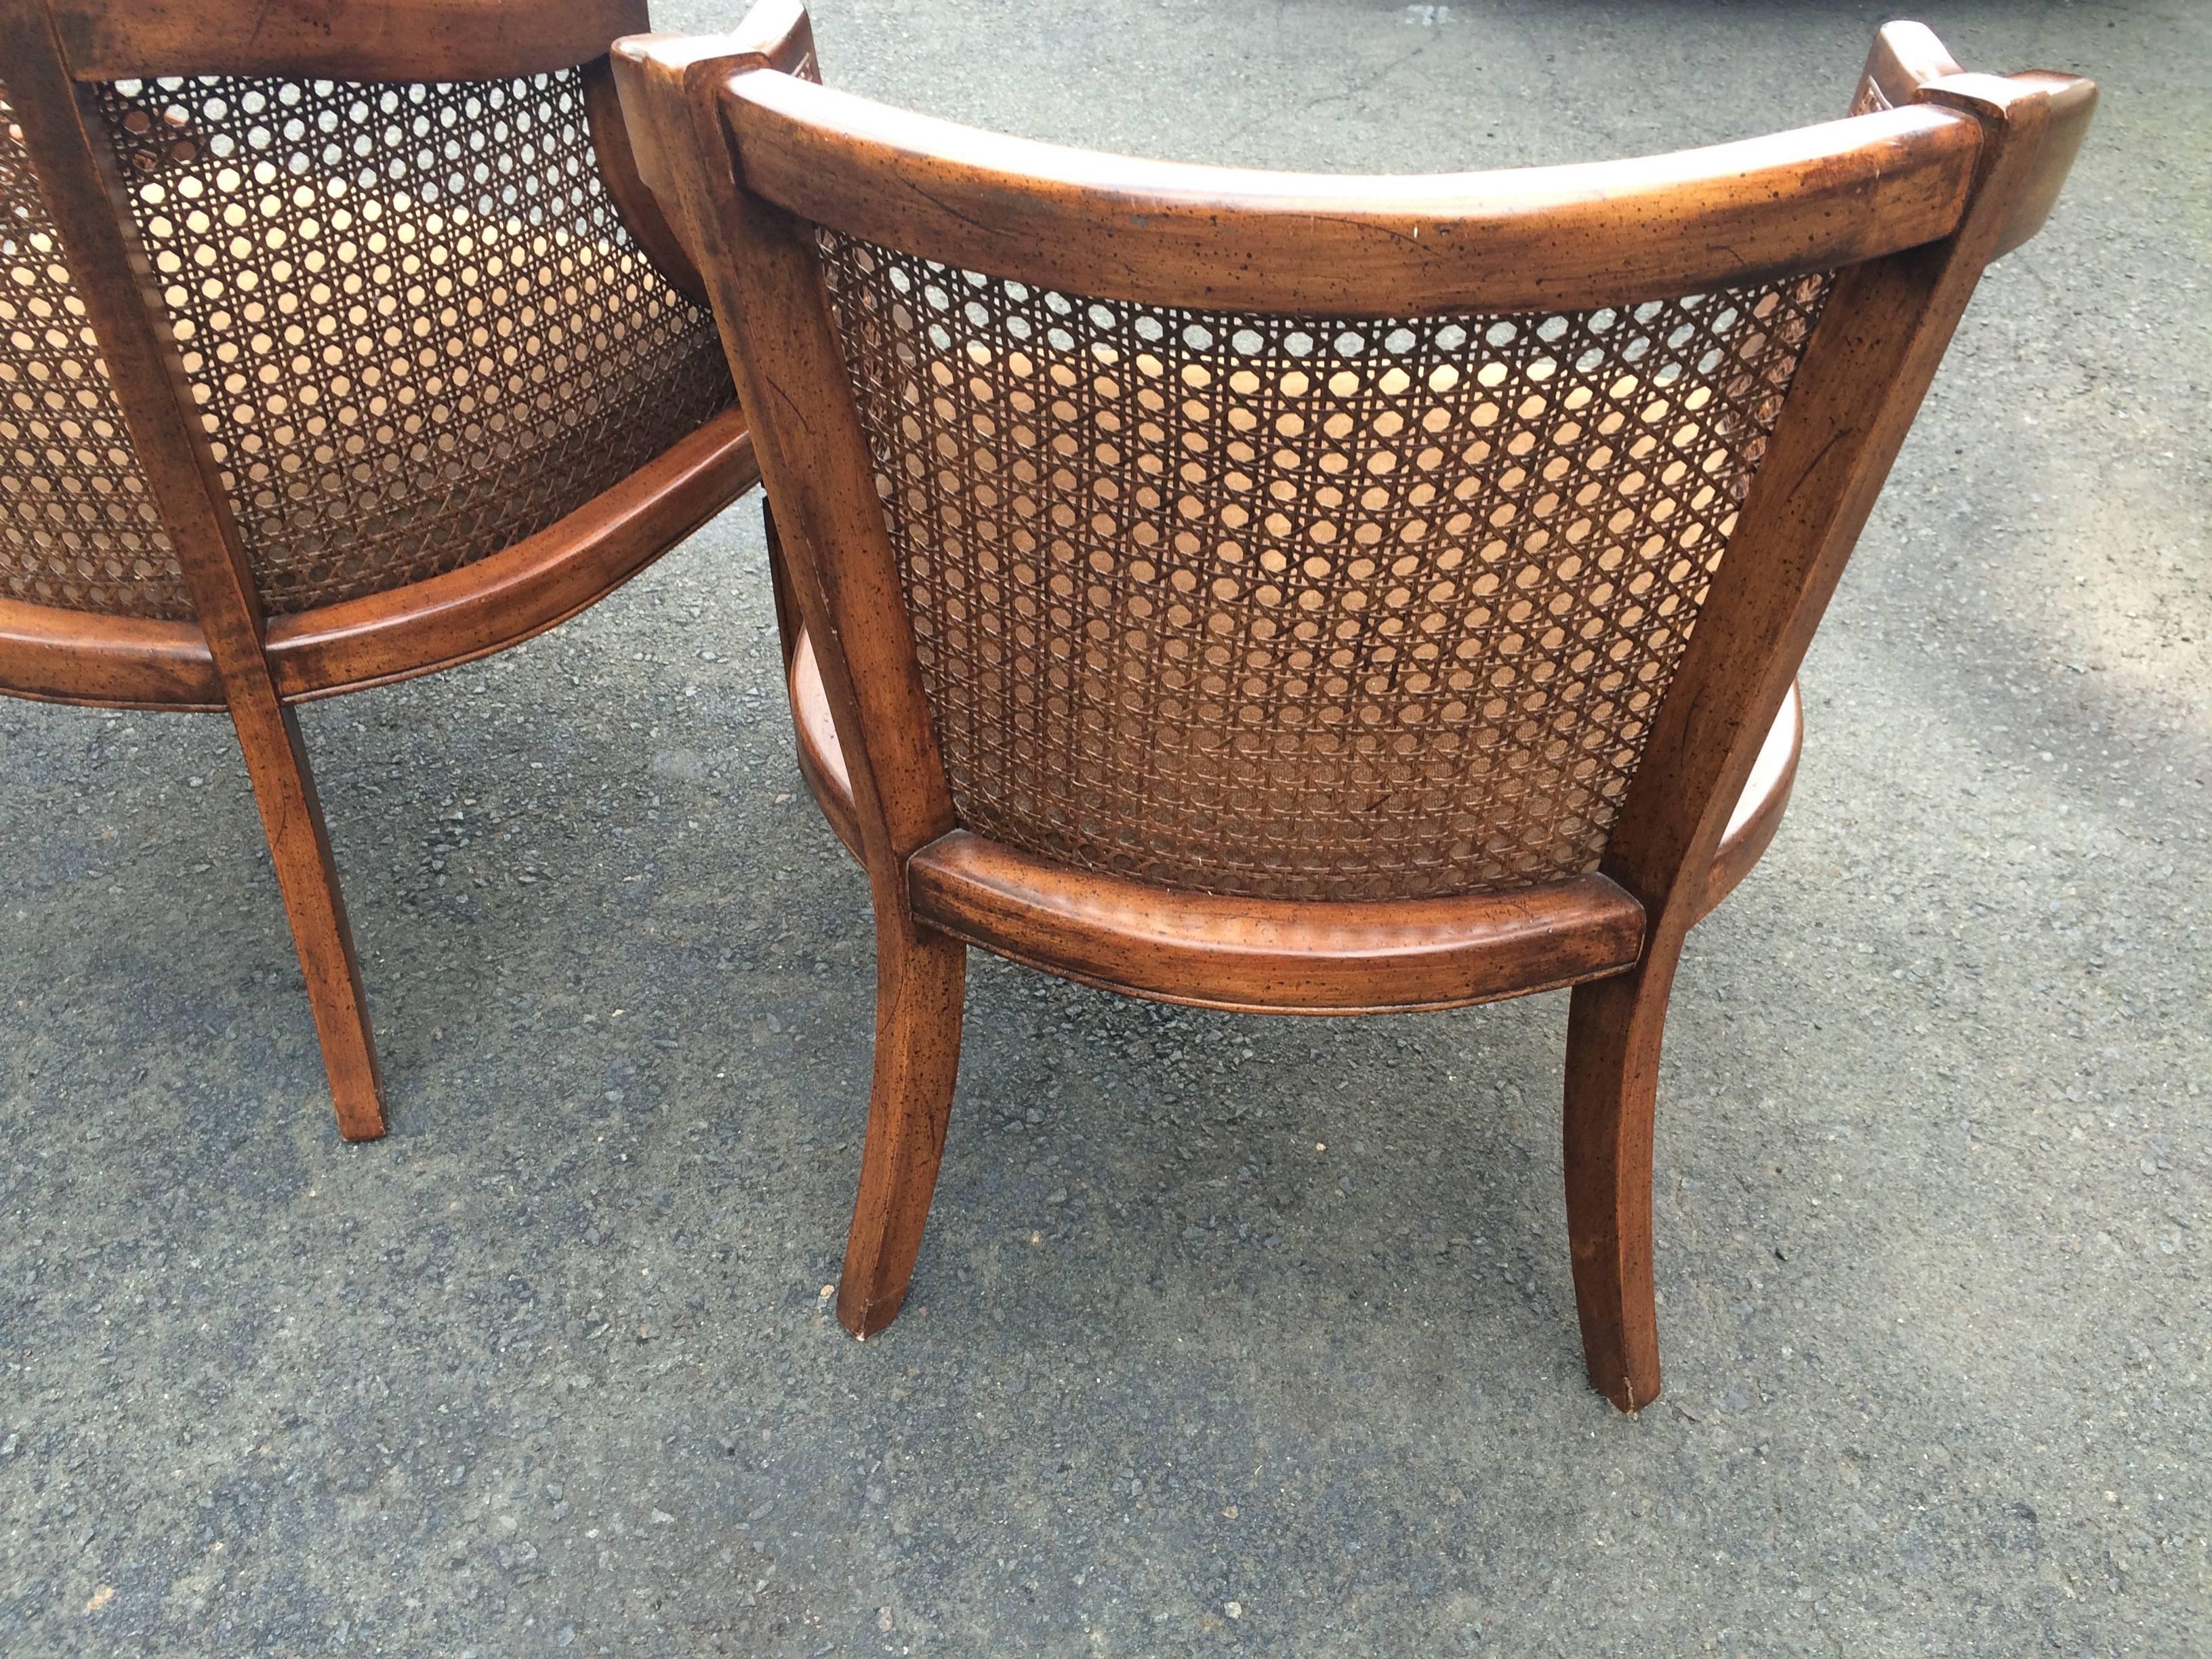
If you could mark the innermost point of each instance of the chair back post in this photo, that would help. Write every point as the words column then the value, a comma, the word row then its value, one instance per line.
column 85, row 197
column 765, row 278
column 617, row 156
column 643, row 81
column 1904, row 57
column 75, row 176
column 1858, row 386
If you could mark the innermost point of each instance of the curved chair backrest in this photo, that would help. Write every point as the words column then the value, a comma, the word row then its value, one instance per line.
column 1323, row 538
column 1375, row 606
column 1318, row 595
column 391, row 261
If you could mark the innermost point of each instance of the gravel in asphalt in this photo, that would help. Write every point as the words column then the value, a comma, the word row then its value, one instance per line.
column 1230, row 1335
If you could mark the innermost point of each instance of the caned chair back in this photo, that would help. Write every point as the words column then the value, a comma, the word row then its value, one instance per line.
column 1354, row 606
column 1308, row 538
column 412, row 319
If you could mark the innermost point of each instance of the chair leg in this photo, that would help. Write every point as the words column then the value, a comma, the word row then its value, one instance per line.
column 276, row 761
column 920, row 978
column 1613, row 1029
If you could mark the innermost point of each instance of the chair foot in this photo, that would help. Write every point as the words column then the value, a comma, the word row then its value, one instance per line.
column 1613, row 1030
column 299, row 843
column 920, row 978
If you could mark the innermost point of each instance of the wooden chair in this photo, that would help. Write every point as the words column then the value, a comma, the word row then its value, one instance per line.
column 1317, row 595
column 360, row 353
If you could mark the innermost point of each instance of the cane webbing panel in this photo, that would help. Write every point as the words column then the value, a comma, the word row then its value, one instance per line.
column 77, row 527
column 411, row 315
column 1277, row 606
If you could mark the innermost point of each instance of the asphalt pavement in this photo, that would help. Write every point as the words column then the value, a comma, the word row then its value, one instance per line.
column 1229, row 1334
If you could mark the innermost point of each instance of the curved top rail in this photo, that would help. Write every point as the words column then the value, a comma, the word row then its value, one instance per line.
column 340, row 39
column 1163, row 233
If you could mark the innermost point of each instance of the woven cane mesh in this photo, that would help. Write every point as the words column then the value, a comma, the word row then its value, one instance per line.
column 1285, row 607
column 1870, row 98
column 414, row 322
column 77, row 527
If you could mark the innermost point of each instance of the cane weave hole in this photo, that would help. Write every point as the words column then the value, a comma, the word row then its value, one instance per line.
column 415, row 326
column 1870, row 99
column 1373, row 608
column 77, row 525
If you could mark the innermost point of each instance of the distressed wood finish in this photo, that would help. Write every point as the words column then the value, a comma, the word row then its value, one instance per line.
column 54, row 656
column 1271, row 956
column 940, row 462
column 1169, row 234
column 181, row 494
column 1907, row 57
column 759, row 267
column 1751, row 827
column 342, row 40
column 1858, row 388
column 1904, row 57
column 640, row 206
